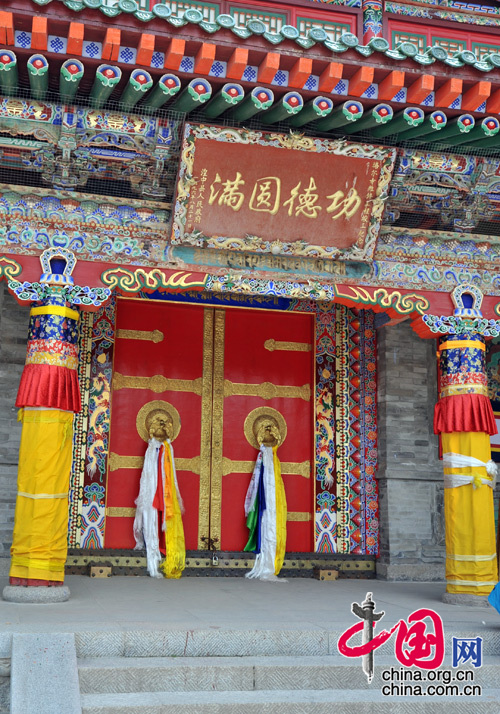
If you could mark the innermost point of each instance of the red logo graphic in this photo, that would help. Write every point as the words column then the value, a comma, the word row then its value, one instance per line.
column 415, row 646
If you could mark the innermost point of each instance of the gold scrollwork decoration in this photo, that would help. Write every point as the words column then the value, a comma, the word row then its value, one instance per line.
column 246, row 467
column 217, row 425
column 117, row 461
column 206, row 427
column 132, row 281
column 150, row 336
column 266, row 390
column 257, row 417
column 157, row 408
column 274, row 345
column 402, row 304
column 9, row 269
column 298, row 516
column 119, row 512
column 158, row 383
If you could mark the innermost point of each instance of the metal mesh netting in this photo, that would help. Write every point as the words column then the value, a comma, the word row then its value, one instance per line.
column 434, row 186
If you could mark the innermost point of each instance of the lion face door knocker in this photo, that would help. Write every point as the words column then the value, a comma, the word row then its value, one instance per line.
column 158, row 520
column 265, row 502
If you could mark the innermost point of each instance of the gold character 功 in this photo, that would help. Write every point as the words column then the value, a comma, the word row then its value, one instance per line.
column 344, row 205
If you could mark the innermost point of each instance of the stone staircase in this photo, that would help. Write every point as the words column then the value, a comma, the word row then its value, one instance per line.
column 278, row 678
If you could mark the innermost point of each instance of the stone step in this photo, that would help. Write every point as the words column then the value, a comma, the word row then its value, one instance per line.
column 286, row 702
column 190, row 674
column 241, row 643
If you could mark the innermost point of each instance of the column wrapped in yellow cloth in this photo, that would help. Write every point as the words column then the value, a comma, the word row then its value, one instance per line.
column 40, row 525
column 471, row 564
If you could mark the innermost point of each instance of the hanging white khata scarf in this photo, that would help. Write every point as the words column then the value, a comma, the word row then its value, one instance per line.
column 159, row 493
column 265, row 509
column 460, row 461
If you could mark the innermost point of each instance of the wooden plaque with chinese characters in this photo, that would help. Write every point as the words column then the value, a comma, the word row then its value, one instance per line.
column 284, row 194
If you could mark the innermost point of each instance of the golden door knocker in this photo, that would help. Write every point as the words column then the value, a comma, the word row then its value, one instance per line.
column 265, row 426
column 158, row 419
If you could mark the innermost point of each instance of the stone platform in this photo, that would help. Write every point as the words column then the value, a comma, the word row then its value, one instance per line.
column 227, row 646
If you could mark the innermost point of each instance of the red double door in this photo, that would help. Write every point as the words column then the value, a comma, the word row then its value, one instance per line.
column 212, row 368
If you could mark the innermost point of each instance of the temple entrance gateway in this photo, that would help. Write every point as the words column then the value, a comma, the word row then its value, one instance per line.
column 219, row 375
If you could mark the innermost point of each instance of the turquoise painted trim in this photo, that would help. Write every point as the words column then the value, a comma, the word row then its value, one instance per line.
column 405, row 51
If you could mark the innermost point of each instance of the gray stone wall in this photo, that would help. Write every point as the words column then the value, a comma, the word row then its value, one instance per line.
column 410, row 474
column 13, row 336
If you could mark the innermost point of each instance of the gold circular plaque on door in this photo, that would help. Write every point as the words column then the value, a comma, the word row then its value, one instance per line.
column 158, row 409
column 262, row 421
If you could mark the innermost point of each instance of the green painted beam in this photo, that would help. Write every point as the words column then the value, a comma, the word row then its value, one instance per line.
column 106, row 79
column 409, row 118
column 168, row 86
column 38, row 73
column 460, row 126
column 350, row 111
column 139, row 83
column 69, row 78
column 317, row 108
column 434, row 122
column 259, row 100
column 194, row 96
column 229, row 96
column 380, row 114
column 8, row 72
column 289, row 105
column 486, row 130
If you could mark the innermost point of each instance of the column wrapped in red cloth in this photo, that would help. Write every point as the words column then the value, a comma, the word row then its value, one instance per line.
column 463, row 387
column 50, row 376
column 464, row 412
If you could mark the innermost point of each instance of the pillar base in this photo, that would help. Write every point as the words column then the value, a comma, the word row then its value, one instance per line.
column 41, row 594
column 466, row 599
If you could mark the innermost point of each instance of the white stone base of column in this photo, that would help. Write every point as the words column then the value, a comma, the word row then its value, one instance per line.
column 466, row 599
column 36, row 594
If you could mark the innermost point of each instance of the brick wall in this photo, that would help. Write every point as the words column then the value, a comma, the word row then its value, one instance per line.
column 410, row 474
column 13, row 335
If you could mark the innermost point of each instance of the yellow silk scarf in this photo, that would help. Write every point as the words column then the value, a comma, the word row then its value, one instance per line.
column 175, row 550
column 281, row 513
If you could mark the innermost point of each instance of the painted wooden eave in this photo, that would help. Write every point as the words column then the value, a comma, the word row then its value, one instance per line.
column 254, row 32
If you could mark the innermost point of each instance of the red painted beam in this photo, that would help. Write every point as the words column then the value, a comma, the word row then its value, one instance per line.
column 360, row 82
column 6, row 28
column 39, row 33
column 448, row 92
column 175, row 53
column 237, row 63
column 330, row 76
column 111, row 44
column 493, row 103
column 145, row 49
column 420, row 89
column 476, row 95
column 75, row 38
column 205, row 58
column 268, row 67
column 391, row 85
column 300, row 73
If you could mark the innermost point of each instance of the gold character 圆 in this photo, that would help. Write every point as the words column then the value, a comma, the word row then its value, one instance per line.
column 266, row 195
